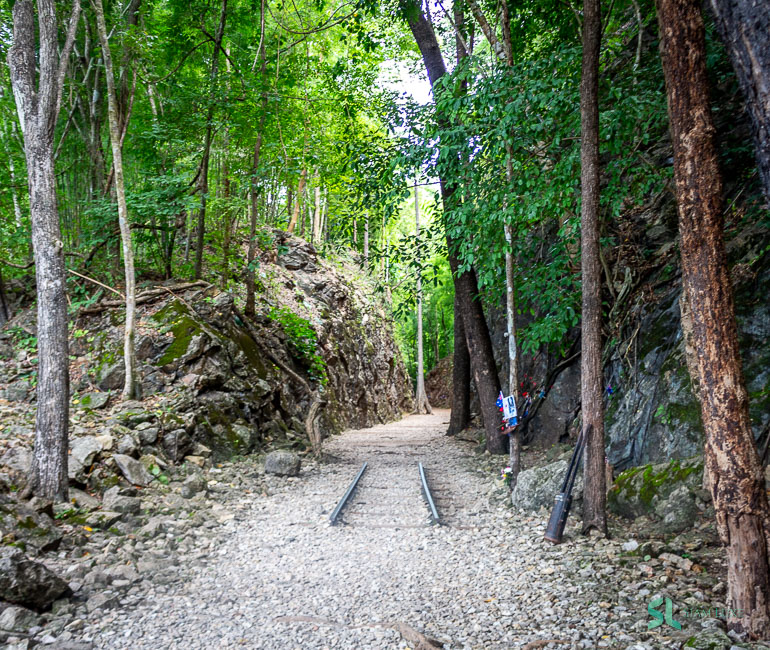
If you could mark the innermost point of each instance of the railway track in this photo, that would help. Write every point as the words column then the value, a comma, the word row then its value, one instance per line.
column 366, row 506
column 389, row 492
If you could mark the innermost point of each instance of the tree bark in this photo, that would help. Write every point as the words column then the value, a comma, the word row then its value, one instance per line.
column 595, row 492
column 466, row 287
column 131, row 387
column 736, row 479
column 316, row 233
column 37, row 103
column 254, row 192
column 298, row 202
column 204, row 174
column 421, row 403
column 460, row 417
column 5, row 310
column 744, row 26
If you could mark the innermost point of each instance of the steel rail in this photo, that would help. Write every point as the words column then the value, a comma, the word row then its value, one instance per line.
column 428, row 497
column 345, row 497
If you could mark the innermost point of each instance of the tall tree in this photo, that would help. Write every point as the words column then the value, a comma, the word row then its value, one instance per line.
column 466, row 286
column 595, row 492
column 421, row 403
column 204, row 168
column 736, row 479
column 460, row 416
column 744, row 26
column 37, row 102
column 504, row 52
column 131, row 386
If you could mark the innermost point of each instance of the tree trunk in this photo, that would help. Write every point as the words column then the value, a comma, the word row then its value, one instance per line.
column 744, row 26
column 316, row 236
column 421, row 403
column 12, row 172
column 460, row 417
column 204, row 172
column 252, row 254
column 366, row 242
column 514, row 459
column 466, row 287
column 38, row 108
column 5, row 309
column 595, row 493
column 736, row 479
column 131, row 387
column 298, row 202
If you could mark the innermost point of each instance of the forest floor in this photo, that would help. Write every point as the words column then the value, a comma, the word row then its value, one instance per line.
column 267, row 570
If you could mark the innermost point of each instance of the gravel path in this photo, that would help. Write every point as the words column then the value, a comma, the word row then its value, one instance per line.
column 281, row 577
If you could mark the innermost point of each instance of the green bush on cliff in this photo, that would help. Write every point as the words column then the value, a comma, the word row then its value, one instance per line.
column 303, row 341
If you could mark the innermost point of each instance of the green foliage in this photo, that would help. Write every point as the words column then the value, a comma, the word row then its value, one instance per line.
column 303, row 341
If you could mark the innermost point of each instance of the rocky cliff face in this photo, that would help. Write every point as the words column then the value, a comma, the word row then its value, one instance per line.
column 215, row 382
column 652, row 411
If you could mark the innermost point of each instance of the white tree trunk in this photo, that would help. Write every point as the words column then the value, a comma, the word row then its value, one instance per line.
column 421, row 402
column 131, row 386
column 317, row 214
column 38, row 98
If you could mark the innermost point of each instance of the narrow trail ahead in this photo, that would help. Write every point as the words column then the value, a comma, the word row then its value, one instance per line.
column 284, row 578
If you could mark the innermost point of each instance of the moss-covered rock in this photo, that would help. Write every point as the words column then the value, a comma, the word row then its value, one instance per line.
column 638, row 490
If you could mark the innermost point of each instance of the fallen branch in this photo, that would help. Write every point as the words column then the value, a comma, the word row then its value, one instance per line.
column 104, row 286
column 544, row 642
column 144, row 297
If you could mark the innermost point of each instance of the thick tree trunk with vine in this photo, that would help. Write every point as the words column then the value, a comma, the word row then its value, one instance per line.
column 595, row 492
column 744, row 26
column 37, row 101
column 131, row 387
column 736, row 479
column 466, row 287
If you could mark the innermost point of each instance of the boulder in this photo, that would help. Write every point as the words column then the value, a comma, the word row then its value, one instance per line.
column 193, row 484
column 113, row 376
column 17, row 462
column 83, row 499
column 148, row 435
column 103, row 519
column 245, row 438
column 639, row 490
column 34, row 530
column 127, row 445
column 678, row 511
column 116, row 502
column 28, row 583
column 82, row 456
column 282, row 463
column 537, row 487
column 93, row 401
column 133, row 470
column 177, row 444
column 17, row 619
column 15, row 392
